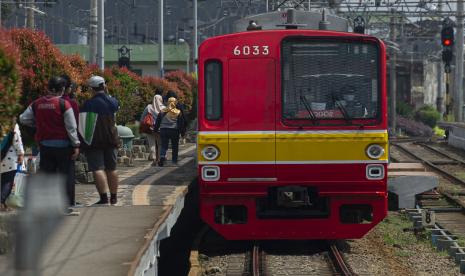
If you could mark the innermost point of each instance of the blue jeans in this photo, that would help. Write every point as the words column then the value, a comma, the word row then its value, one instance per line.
column 167, row 134
column 7, row 184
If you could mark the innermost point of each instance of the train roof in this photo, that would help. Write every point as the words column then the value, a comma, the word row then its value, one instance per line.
column 285, row 32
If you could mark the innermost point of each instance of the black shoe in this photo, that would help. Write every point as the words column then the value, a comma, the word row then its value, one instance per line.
column 101, row 202
column 113, row 200
column 161, row 162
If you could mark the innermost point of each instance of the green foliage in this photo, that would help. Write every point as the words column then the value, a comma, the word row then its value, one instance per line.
column 10, row 83
column 405, row 110
column 428, row 115
column 124, row 85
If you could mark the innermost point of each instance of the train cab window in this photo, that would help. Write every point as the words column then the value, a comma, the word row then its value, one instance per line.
column 330, row 79
column 213, row 90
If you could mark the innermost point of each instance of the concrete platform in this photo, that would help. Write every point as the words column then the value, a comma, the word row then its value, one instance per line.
column 119, row 240
column 405, row 167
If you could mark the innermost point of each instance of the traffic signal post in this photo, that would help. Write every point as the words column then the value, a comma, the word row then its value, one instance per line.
column 447, row 42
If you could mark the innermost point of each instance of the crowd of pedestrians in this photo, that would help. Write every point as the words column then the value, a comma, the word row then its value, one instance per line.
column 63, row 131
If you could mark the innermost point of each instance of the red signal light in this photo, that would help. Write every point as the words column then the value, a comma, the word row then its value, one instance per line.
column 447, row 42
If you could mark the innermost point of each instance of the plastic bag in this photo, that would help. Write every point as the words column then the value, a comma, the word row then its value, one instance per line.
column 16, row 198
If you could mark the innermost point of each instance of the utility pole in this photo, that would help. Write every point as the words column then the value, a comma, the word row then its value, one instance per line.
column 93, row 32
column 101, row 35
column 440, row 75
column 30, row 22
column 459, row 64
column 0, row 13
column 161, row 56
column 392, row 72
column 195, row 50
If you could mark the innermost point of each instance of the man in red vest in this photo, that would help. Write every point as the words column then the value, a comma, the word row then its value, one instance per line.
column 56, row 130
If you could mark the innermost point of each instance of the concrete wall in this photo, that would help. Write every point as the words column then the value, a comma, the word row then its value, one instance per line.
column 430, row 83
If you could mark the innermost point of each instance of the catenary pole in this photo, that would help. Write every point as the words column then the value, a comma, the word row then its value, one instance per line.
column 161, row 50
column 459, row 64
column 93, row 32
column 392, row 73
column 101, row 35
column 195, row 50
column 30, row 22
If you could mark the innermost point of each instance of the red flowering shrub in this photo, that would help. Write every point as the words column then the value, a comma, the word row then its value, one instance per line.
column 10, row 82
column 185, row 95
column 124, row 85
column 40, row 60
column 151, row 84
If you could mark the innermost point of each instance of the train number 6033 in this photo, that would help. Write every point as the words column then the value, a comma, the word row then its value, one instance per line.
column 253, row 50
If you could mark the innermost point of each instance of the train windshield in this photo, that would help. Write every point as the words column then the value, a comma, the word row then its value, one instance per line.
column 325, row 80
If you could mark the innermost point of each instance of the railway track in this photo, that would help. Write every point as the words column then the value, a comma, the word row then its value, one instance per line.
column 448, row 167
column 270, row 258
column 325, row 259
column 449, row 204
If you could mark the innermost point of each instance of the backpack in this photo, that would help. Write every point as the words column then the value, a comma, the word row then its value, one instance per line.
column 147, row 124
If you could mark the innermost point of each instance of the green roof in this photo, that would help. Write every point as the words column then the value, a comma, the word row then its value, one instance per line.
column 142, row 53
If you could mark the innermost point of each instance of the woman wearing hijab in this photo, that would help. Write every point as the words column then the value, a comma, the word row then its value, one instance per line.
column 171, row 123
column 154, row 138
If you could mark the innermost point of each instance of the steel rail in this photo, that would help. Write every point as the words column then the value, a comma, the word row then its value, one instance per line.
column 430, row 164
column 440, row 152
column 339, row 262
column 256, row 261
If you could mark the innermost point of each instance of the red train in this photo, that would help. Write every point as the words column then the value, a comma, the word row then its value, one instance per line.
column 292, row 140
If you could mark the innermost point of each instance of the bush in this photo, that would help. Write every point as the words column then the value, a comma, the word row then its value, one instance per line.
column 150, row 85
column 405, row 110
column 10, row 83
column 40, row 60
column 428, row 115
column 414, row 128
column 185, row 95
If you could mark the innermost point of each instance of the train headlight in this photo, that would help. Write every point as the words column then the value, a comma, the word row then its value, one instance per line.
column 375, row 151
column 210, row 153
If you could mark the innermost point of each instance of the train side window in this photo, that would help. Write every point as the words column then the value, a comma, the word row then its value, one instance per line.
column 213, row 90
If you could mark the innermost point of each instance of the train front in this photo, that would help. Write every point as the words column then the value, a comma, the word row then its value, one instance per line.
column 292, row 140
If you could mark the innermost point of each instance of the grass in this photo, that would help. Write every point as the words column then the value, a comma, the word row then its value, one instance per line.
column 397, row 232
column 460, row 175
column 393, row 228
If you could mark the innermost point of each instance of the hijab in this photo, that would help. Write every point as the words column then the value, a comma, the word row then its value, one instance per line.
column 157, row 105
column 171, row 110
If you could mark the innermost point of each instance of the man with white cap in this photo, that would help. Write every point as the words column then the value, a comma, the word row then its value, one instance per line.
column 100, row 138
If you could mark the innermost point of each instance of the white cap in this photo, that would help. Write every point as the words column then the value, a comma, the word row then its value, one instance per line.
column 95, row 81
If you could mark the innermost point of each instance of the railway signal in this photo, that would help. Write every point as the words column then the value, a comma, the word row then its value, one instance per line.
column 447, row 41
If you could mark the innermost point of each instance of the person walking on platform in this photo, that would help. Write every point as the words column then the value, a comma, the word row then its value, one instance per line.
column 170, row 123
column 56, row 131
column 100, row 138
column 12, row 155
column 148, row 126
column 68, row 95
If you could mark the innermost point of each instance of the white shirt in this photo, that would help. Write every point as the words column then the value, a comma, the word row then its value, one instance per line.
column 10, row 162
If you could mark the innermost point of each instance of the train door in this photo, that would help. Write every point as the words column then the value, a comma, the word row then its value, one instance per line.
column 252, row 130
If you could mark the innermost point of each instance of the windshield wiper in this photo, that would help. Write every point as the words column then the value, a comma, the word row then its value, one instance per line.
column 311, row 115
column 342, row 109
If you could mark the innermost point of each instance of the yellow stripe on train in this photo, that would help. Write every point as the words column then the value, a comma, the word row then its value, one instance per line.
column 293, row 146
